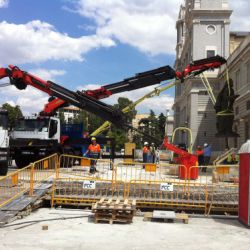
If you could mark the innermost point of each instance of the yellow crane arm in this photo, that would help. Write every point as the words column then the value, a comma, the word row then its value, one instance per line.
column 155, row 92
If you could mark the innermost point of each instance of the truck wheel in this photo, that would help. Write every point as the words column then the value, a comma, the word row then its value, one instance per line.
column 22, row 161
column 3, row 168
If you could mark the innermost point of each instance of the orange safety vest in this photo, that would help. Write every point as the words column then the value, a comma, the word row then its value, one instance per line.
column 199, row 152
column 145, row 149
column 94, row 148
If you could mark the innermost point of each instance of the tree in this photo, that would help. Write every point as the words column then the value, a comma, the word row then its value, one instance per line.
column 14, row 113
column 61, row 116
column 124, row 102
column 121, row 135
column 161, row 124
column 91, row 121
column 152, row 126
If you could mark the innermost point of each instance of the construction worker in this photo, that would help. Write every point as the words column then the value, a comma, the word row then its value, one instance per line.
column 200, row 154
column 145, row 153
column 152, row 153
column 94, row 151
column 157, row 154
column 207, row 155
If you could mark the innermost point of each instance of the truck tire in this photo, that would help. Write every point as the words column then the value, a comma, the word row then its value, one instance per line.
column 22, row 161
column 3, row 168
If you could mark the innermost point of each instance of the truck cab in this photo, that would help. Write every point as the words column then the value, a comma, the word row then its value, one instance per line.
column 4, row 142
column 34, row 138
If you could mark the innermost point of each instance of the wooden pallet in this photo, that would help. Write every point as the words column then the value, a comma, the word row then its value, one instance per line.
column 148, row 216
column 112, row 210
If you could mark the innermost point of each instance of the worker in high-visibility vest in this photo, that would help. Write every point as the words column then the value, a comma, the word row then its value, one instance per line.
column 94, row 152
column 145, row 153
column 200, row 154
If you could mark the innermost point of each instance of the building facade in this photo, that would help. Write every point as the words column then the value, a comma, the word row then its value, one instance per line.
column 239, row 71
column 202, row 31
column 70, row 113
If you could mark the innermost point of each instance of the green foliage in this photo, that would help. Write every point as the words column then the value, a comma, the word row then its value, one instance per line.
column 61, row 116
column 120, row 135
column 124, row 102
column 90, row 121
column 161, row 124
column 14, row 113
column 152, row 126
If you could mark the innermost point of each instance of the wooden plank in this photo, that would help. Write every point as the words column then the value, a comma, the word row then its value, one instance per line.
column 183, row 217
column 101, row 201
column 10, row 211
column 133, row 203
column 109, row 201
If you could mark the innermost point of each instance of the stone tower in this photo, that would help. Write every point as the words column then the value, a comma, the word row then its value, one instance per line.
column 202, row 31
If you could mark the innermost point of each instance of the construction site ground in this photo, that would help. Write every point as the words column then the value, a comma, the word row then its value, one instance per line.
column 74, row 229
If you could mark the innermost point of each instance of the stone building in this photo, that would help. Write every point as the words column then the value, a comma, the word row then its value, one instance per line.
column 202, row 31
column 239, row 70
column 70, row 113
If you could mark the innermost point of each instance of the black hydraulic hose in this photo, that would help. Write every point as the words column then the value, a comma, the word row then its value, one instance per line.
column 37, row 221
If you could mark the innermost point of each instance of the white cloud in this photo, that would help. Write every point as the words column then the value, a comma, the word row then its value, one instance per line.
column 148, row 25
column 30, row 100
column 158, row 103
column 240, row 18
column 38, row 41
column 4, row 3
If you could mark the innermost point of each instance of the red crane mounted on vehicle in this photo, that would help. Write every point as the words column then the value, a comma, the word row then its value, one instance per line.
column 88, row 100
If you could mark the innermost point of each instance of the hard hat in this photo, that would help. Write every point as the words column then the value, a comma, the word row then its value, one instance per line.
column 93, row 139
column 205, row 144
column 145, row 143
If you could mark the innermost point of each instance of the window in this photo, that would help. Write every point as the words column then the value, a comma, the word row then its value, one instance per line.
column 237, row 110
column 211, row 29
column 205, row 134
column 237, row 78
column 236, row 138
column 246, row 131
column 248, row 105
column 248, row 72
column 210, row 53
column 203, row 92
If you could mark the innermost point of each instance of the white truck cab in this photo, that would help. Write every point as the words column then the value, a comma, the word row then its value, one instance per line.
column 34, row 138
column 40, row 128
column 4, row 142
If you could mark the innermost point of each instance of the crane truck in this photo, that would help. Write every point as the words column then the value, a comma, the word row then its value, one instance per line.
column 4, row 142
column 34, row 138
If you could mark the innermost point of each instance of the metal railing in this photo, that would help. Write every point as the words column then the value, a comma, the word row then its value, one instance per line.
column 71, row 166
column 152, row 185
column 146, row 171
column 14, row 184
column 25, row 180
column 82, row 191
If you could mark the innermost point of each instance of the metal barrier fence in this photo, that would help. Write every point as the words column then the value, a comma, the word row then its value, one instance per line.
column 221, row 185
column 71, row 166
column 82, row 191
column 14, row 184
column 215, row 189
column 43, row 169
column 152, row 172
column 24, row 180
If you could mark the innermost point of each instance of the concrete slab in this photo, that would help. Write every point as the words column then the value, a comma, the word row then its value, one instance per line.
column 158, row 214
column 72, row 229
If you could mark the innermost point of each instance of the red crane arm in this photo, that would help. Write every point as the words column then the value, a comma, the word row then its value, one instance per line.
column 174, row 149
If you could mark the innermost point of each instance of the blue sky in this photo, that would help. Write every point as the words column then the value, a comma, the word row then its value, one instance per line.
column 85, row 43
